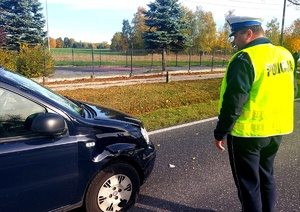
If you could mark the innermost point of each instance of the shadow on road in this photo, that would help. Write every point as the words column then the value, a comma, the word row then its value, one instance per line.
column 150, row 204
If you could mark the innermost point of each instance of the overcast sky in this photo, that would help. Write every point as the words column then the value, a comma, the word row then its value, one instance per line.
column 98, row 20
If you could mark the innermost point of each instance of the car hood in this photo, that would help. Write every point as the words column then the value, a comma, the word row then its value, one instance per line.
column 109, row 114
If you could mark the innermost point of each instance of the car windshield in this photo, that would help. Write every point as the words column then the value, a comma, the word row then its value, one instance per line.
column 31, row 85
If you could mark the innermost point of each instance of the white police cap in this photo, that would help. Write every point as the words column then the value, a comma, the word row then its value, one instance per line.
column 239, row 22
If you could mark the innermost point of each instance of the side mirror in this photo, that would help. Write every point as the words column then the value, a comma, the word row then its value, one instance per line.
column 49, row 124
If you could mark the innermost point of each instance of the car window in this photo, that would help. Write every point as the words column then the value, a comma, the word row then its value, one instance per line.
column 15, row 113
column 31, row 85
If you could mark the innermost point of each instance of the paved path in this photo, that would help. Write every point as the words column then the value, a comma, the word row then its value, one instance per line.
column 88, row 71
column 115, row 81
column 119, row 78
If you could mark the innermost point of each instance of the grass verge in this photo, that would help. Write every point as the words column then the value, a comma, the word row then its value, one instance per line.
column 159, row 105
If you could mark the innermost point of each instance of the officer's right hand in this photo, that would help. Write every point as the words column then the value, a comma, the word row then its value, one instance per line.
column 220, row 144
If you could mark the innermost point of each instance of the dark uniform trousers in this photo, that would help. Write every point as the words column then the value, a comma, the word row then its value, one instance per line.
column 251, row 161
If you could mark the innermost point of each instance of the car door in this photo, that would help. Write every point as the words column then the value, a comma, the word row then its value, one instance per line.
column 37, row 172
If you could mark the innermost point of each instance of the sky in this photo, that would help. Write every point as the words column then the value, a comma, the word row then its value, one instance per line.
column 96, row 21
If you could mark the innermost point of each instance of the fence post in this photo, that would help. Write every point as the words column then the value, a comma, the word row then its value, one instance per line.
column 168, row 77
column 45, row 65
column 72, row 56
column 190, row 56
column 200, row 57
column 131, row 62
column 223, row 62
column 212, row 60
column 93, row 62
column 126, row 58
column 99, row 58
column 152, row 59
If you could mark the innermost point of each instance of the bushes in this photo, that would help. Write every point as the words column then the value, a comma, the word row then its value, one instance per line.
column 8, row 59
column 29, row 61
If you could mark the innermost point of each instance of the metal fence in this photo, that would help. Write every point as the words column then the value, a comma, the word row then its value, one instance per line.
column 142, row 60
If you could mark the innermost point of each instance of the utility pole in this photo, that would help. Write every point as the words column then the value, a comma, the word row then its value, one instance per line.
column 47, row 26
column 282, row 24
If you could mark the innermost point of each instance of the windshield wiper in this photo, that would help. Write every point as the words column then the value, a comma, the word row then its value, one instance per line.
column 79, row 104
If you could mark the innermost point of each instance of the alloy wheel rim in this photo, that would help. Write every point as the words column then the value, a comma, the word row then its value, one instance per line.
column 115, row 193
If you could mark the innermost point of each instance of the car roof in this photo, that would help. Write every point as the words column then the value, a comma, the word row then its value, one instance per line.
column 5, row 76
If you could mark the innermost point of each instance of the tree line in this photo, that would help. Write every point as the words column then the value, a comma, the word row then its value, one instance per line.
column 166, row 25
column 201, row 30
column 22, row 22
column 72, row 43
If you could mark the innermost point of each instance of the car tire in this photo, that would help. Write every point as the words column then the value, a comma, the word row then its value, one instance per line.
column 114, row 188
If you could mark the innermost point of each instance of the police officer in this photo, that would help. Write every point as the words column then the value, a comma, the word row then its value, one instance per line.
column 256, row 109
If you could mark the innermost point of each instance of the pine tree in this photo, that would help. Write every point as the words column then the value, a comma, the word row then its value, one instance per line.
column 166, row 27
column 22, row 22
column 295, row 2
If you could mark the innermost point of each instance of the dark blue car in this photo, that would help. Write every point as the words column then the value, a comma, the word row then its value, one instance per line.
column 58, row 153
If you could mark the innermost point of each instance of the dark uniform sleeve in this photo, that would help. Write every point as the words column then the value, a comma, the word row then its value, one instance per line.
column 296, row 58
column 240, row 78
column 295, row 83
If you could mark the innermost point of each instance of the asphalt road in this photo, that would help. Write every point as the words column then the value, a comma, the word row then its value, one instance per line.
column 191, row 174
column 200, row 179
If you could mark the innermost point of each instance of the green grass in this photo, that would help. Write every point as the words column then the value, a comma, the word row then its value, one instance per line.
column 160, row 105
column 66, row 51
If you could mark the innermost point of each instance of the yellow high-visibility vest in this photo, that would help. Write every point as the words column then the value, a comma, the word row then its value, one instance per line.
column 270, row 107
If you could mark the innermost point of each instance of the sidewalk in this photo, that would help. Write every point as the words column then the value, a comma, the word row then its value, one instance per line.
column 103, row 81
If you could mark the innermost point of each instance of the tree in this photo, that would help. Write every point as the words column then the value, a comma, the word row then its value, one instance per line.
column 72, row 41
column 2, row 33
column 226, row 25
column 52, row 43
column 59, row 42
column 2, row 36
column 292, row 36
column 23, row 22
column 76, row 44
column 224, row 42
column 191, row 30
column 272, row 31
column 103, row 45
column 164, row 20
column 206, row 27
column 138, row 28
column 126, row 35
column 295, row 2
column 67, row 43
column 116, row 42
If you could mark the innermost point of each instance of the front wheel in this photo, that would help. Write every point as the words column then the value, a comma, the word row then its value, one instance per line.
column 115, row 188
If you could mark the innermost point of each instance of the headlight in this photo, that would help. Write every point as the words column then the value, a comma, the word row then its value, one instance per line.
column 145, row 135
